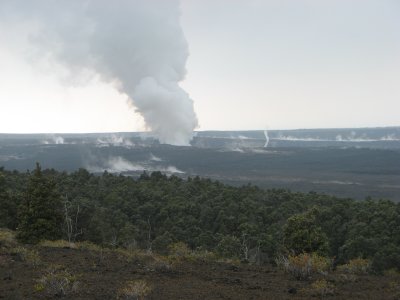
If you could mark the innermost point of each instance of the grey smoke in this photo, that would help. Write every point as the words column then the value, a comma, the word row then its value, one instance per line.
column 138, row 45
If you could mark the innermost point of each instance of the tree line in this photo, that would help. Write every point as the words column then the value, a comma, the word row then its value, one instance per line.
column 155, row 211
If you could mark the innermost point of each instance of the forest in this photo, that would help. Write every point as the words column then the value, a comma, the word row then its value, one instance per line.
column 155, row 211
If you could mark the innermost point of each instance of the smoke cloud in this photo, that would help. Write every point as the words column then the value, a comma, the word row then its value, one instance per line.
column 138, row 45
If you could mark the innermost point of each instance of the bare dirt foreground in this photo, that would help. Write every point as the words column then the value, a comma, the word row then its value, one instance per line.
column 99, row 274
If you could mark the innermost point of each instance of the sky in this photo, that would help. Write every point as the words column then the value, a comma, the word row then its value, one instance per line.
column 253, row 64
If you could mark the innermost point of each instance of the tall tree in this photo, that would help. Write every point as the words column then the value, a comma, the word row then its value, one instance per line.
column 7, row 206
column 40, row 214
column 302, row 234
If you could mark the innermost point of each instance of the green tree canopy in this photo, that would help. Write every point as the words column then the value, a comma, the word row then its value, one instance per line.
column 302, row 234
column 40, row 215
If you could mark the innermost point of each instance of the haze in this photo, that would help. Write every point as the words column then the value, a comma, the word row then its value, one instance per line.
column 252, row 65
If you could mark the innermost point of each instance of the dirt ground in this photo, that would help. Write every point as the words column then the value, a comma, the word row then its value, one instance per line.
column 100, row 275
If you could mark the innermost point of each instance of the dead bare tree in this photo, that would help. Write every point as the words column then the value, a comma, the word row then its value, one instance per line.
column 114, row 238
column 149, row 241
column 71, row 222
column 245, row 247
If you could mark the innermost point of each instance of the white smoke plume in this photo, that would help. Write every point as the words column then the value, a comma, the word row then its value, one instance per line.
column 55, row 140
column 114, row 140
column 266, row 138
column 119, row 164
column 155, row 158
column 138, row 45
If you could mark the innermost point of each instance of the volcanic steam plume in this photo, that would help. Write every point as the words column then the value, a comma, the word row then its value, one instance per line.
column 137, row 45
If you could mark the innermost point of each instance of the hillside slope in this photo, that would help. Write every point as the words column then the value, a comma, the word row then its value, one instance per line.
column 101, row 274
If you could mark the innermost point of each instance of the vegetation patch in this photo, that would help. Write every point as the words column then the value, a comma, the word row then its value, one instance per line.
column 58, row 244
column 174, row 231
column 30, row 256
column 321, row 288
column 302, row 266
column 358, row 266
column 89, row 246
column 163, row 214
column 134, row 290
column 57, row 281
column 7, row 238
column 394, row 288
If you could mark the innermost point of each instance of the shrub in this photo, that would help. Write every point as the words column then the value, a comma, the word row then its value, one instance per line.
column 392, row 273
column 394, row 288
column 89, row 246
column 229, row 261
column 29, row 256
column 204, row 255
column 58, row 244
column 5, row 260
column 346, row 278
column 139, row 256
column 134, row 290
column 57, row 281
column 303, row 265
column 357, row 266
column 7, row 238
column 179, row 249
column 229, row 247
column 321, row 288
column 162, row 243
column 179, row 252
column 161, row 266
column 321, row 264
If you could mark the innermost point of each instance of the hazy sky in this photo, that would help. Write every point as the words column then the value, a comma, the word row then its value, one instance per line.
column 253, row 64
